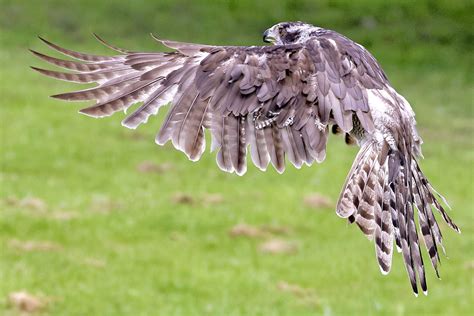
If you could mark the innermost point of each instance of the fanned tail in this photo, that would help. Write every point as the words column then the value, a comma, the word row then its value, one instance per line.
column 381, row 193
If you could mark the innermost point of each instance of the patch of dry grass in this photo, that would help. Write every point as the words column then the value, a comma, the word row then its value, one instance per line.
column 317, row 201
column 278, row 246
column 27, row 303
column 34, row 245
column 304, row 295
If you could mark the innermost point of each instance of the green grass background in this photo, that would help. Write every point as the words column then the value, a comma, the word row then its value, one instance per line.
column 130, row 249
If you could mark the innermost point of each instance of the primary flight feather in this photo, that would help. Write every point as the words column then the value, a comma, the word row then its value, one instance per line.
column 281, row 101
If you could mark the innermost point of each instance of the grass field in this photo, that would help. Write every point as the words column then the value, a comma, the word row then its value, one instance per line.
column 96, row 219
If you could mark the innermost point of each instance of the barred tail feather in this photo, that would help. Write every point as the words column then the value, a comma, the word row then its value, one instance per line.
column 349, row 197
column 382, row 192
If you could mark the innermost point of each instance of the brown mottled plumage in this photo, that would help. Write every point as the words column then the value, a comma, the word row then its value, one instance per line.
column 280, row 101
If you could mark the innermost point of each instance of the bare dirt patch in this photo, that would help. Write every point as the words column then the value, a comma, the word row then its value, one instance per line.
column 469, row 265
column 276, row 230
column 153, row 167
column 205, row 200
column 177, row 236
column 264, row 231
column 63, row 215
column 212, row 199
column 25, row 302
column 317, row 201
column 246, row 231
column 33, row 245
column 136, row 135
column 278, row 246
column 33, row 203
column 36, row 207
column 28, row 202
column 104, row 204
column 94, row 262
column 183, row 198
column 306, row 295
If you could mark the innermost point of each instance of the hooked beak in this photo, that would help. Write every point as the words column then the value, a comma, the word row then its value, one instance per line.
column 267, row 38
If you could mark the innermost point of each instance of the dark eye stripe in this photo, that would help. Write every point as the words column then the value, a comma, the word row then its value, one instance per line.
column 291, row 37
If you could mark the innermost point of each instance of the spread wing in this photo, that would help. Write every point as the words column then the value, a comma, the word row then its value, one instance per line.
column 275, row 100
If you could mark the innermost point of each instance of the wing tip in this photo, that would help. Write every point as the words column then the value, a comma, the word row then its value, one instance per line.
column 159, row 141
column 156, row 38
column 112, row 47
column 62, row 96
column 44, row 40
column 44, row 57
column 37, row 69
column 91, row 112
column 97, row 37
column 241, row 172
column 280, row 170
column 341, row 210
column 44, row 72
column 54, row 46
column 128, row 125
column 456, row 228
column 383, row 271
column 34, row 52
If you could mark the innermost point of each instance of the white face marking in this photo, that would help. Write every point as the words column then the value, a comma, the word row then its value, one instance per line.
column 303, row 29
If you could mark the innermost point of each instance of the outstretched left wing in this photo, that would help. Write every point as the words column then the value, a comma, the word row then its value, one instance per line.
column 277, row 100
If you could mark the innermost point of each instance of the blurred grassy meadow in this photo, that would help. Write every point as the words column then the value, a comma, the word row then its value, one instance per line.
column 96, row 219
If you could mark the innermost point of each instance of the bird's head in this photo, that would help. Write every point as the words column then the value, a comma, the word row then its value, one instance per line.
column 289, row 33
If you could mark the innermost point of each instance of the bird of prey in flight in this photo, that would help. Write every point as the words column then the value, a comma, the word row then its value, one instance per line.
column 280, row 101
